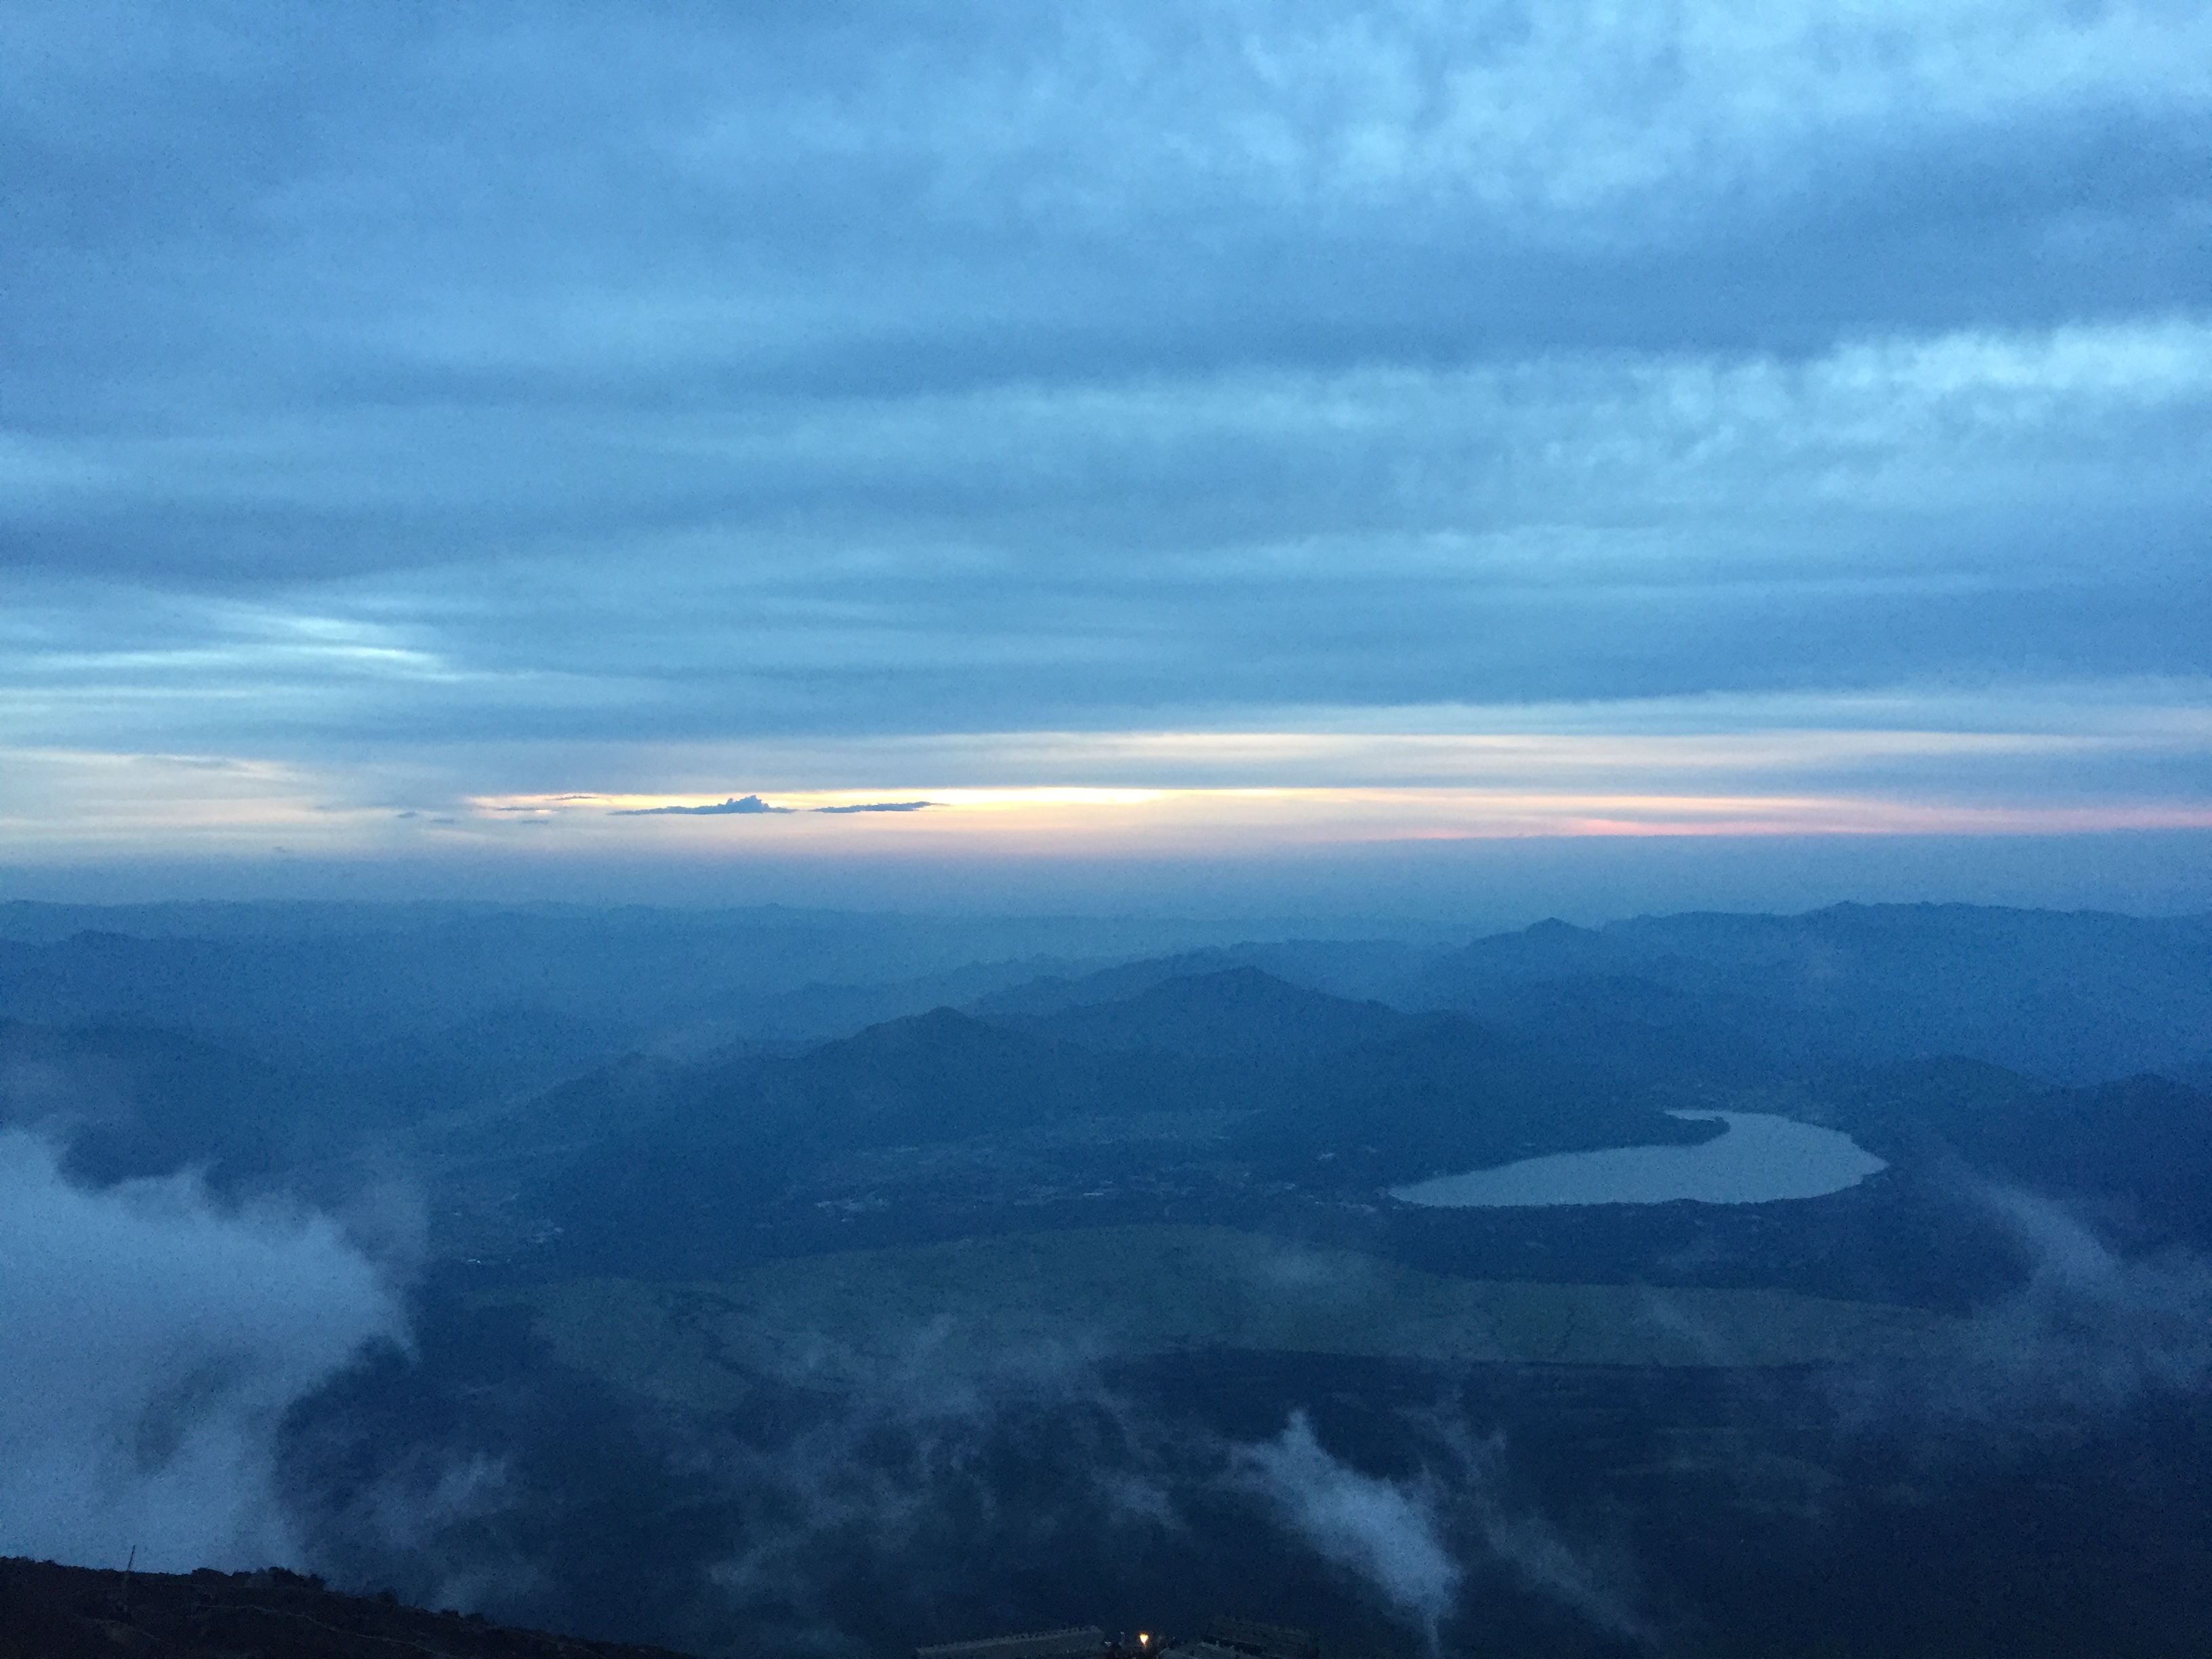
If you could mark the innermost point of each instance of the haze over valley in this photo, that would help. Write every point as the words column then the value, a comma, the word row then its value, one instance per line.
column 1127, row 1285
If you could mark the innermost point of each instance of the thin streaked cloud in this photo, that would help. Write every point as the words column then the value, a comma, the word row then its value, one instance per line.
column 1887, row 765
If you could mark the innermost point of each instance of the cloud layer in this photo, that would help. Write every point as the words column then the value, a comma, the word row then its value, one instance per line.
column 700, row 377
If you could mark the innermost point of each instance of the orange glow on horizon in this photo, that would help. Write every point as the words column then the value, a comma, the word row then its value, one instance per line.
column 1080, row 820
column 1027, row 795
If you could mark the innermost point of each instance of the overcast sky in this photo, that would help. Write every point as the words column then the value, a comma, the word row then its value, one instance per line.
column 440, row 410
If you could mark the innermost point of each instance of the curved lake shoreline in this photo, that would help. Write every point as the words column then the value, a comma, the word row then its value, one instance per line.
column 1760, row 1159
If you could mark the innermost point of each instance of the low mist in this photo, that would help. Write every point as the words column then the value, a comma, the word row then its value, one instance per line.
column 155, row 1342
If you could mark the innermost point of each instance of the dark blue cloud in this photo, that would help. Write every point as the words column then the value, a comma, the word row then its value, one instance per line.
column 387, row 375
column 746, row 805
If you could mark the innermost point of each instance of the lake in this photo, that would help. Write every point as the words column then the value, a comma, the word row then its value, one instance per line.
column 1760, row 1158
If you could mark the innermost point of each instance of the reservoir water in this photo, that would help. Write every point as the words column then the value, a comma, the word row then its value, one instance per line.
column 1759, row 1158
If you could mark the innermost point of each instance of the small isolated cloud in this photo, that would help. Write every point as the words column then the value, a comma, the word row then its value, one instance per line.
column 1411, row 1539
column 880, row 806
column 733, row 805
column 1386, row 1532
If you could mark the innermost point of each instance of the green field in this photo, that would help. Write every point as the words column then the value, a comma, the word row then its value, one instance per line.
column 1035, row 1299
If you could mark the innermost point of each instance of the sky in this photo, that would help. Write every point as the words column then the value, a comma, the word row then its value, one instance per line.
column 1258, row 443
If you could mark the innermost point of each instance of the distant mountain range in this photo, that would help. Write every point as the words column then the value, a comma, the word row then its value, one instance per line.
column 817, row 1242
column 2076, row 997
column 1553, row 1038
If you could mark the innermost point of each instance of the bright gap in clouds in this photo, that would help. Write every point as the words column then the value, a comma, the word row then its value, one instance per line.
column 1190, row 819
column 1863, row 766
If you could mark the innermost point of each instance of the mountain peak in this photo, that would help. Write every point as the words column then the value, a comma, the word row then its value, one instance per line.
column 1240, row 1011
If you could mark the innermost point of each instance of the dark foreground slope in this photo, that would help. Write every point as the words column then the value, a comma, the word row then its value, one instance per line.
column 52, row 1611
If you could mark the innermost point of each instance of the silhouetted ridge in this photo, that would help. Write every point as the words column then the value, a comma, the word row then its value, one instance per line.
column 1240, row 1011
column 54, row 1611
column 1054, row 993
column 1449, row 1093
column 932, row 1077
column 2076, row 997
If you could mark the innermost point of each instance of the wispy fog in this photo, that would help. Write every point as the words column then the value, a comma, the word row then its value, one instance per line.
column 2090, row 1333
column 155, row 1341
column 2093, row 1330
column 1385, row 1531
